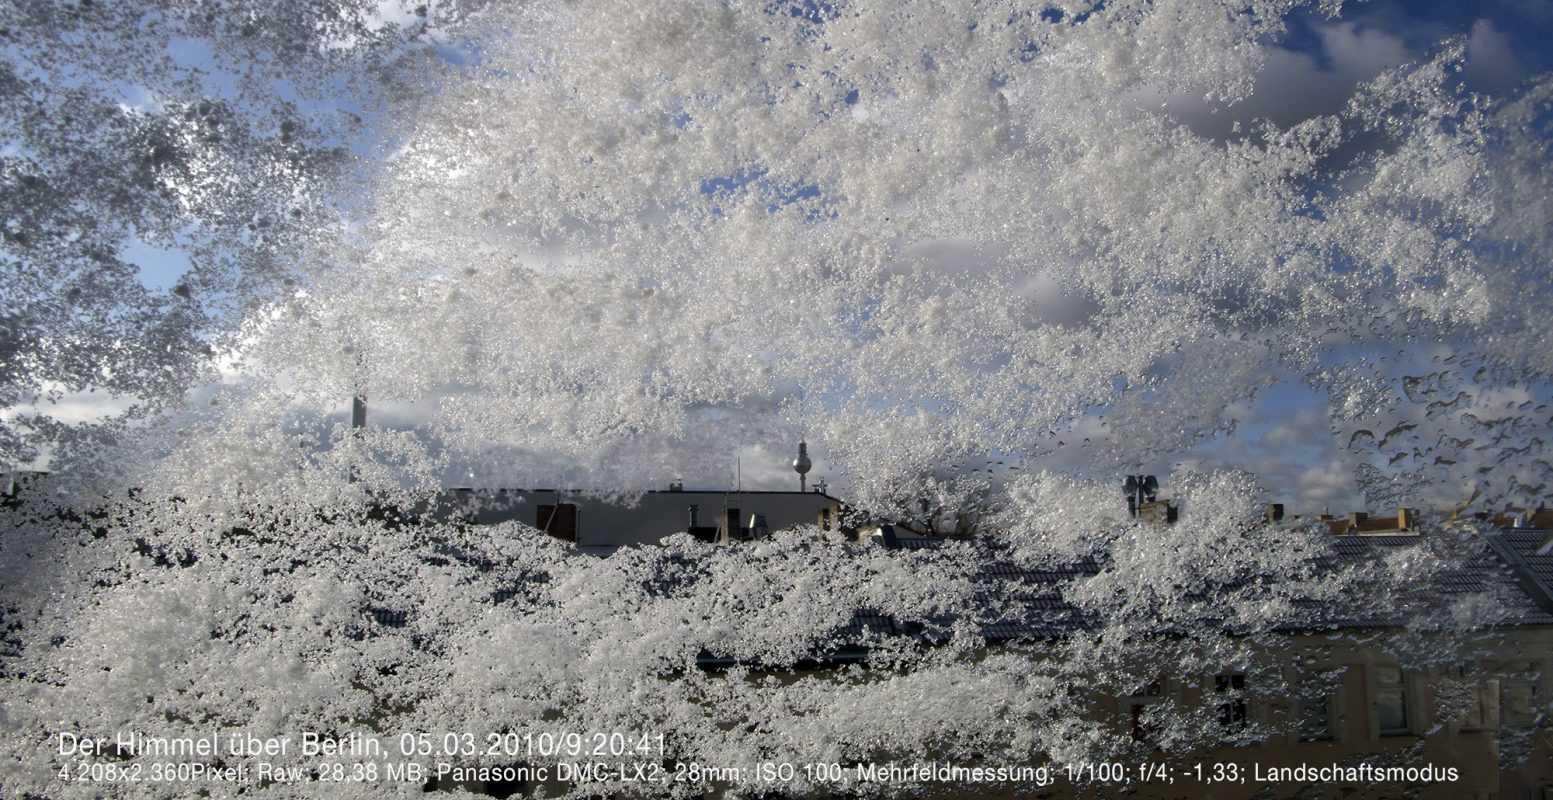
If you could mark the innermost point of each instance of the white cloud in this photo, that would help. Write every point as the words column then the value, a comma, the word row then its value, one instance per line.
column 1359, row 53
column 1491, row 60
column 1536, row 10
column 1327, row 486
column 1295, row 85
column 76, row 408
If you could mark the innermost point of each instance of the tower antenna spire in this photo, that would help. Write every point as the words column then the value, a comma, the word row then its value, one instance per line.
column 802, row 465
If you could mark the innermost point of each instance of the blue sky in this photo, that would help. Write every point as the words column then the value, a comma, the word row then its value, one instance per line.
column 1284, row 435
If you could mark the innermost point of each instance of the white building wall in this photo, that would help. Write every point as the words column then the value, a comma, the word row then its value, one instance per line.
column 658, row 514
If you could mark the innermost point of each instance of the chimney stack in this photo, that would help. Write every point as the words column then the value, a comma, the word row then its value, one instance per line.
column 1140, row 489
column 1157, row 512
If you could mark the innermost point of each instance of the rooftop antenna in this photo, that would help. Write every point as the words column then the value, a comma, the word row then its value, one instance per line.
column 358, row 411
column 358, row 423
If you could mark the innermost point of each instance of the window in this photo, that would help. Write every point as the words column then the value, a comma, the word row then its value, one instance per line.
column 1230, row 695
column 1143, row 726
column 1518, row 694
column 1463, row 697
column 1391, row 701
column 558, row 520
column 1317, row 700
column 1472, row 720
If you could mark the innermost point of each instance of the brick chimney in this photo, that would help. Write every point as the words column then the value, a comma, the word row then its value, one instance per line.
column 1157, row 512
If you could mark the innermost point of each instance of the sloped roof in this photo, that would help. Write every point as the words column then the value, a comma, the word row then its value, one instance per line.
column 1032, row 600
column 1035, row 609
column 1023, row 602
column 1519, row 548
column 1484, row 571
